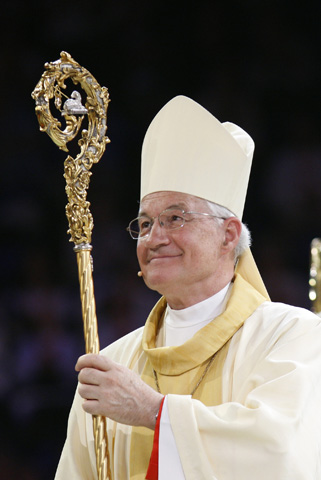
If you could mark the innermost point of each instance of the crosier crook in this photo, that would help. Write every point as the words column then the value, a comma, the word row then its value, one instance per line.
column 77, row 174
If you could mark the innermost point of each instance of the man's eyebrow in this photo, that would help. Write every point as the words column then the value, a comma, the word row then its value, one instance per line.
column 181, row 205
column 143, row 214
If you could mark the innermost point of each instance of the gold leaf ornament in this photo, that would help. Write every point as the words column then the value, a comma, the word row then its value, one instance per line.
column 92, row 142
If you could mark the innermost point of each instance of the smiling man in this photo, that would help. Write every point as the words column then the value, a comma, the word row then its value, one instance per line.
column 186, row 265
column 220, row 383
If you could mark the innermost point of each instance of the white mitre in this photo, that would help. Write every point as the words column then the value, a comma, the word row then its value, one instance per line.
column 186, row 149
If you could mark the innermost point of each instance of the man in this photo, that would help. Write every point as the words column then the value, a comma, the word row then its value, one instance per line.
column 230, row 380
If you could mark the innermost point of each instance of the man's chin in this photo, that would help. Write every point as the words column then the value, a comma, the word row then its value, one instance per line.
column 157, row 282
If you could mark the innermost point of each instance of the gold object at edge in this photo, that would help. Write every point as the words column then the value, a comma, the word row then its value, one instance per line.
column 315, row 276
column 77, row 174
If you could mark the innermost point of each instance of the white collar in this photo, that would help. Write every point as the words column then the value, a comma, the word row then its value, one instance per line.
column 180, row 325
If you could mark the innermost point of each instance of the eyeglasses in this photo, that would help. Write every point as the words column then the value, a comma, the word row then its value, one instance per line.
column 170, row 219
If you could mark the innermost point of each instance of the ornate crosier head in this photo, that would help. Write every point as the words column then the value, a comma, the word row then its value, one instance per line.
column 93, row 139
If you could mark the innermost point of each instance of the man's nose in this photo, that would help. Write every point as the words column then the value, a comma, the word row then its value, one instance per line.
column 157, row 234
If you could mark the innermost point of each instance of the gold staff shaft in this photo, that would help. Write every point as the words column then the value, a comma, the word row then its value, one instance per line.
column 88, row 305
column 84, row 262
column 77, row 174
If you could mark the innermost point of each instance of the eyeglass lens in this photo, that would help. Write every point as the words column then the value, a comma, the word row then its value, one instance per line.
column 170, row 219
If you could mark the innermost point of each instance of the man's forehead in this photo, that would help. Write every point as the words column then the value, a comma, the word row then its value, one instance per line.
column 163, row 200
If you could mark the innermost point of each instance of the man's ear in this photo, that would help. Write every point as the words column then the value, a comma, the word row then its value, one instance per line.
column 232, row 232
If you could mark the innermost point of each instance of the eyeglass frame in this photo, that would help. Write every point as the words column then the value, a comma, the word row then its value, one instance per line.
column 139, row 237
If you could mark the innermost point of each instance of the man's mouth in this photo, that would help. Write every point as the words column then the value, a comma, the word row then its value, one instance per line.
column 162, row 257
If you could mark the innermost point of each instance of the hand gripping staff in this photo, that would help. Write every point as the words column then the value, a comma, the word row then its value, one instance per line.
column 77, row 174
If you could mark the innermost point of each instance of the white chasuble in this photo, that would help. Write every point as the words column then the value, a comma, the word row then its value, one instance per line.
column 256, row 414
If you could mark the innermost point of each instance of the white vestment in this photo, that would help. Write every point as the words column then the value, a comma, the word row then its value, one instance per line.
column 268, row 426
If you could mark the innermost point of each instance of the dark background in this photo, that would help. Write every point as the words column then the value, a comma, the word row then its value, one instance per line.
column 255, row 63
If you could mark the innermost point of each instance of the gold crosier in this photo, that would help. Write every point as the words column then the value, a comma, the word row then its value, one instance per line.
column 77, row 174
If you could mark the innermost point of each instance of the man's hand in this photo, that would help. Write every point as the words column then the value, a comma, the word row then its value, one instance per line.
column 114, row 391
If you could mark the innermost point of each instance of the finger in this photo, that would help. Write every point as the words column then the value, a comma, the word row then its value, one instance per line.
column 88, row 392
column 89, row 376
column 91, row 360
column 91, row 406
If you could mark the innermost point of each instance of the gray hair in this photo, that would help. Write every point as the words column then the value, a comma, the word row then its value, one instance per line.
column 245, row 237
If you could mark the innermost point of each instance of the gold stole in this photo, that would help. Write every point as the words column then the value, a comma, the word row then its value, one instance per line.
column 180, row 368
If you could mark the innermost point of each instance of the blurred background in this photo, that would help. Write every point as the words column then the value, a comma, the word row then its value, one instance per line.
column 253, row 63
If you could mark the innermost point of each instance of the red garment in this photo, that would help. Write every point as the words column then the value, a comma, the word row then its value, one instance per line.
column 152, row 472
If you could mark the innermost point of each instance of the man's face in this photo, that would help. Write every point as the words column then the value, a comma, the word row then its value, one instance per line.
column 180, row 263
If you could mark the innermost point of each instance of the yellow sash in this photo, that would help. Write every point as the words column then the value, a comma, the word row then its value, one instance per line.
column 180, row 368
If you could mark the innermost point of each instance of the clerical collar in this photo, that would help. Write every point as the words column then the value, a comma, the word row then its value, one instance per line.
column 181, row 325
